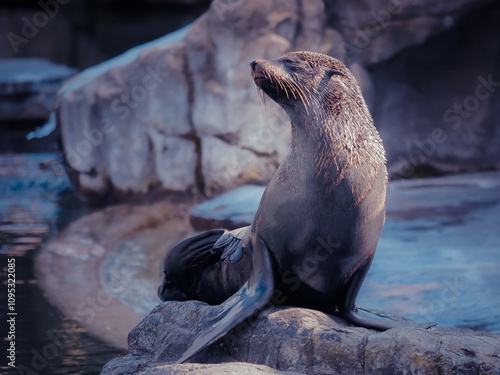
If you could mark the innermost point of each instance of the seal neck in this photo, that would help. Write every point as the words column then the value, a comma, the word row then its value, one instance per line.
column 333, row 145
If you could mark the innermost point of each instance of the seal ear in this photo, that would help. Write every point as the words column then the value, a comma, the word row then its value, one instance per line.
column 332, row 72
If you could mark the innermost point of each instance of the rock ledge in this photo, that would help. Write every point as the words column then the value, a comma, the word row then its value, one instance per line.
column 302, row 341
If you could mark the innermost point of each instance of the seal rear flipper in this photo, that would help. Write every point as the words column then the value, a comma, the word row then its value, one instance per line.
column 381, row 324
column 349, row 311
column 250, row 298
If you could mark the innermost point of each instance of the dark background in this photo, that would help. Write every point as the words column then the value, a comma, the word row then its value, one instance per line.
column 84, row 33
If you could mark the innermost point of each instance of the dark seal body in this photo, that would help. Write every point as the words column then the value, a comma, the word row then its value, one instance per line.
column 316, row 230
column 324, row 208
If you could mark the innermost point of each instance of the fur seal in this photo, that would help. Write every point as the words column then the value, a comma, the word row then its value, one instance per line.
column 315, row 232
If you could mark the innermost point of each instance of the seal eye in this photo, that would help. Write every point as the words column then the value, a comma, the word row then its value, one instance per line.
column 294, row 64
column 332, row 72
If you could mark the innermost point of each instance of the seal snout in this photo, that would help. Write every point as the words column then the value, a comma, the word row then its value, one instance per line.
column 257, row 72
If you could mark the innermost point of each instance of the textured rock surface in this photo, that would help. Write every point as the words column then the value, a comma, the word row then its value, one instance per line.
column 230, row 210
column 240, row 368
column 181, row 113
column 306, row 341
column 452, row 122
column 375, row 30
column 114, row 116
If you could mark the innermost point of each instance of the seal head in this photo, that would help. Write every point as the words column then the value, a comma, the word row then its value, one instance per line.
column 209, row 267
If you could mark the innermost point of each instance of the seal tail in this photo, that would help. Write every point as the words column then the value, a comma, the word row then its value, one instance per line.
column 251, row 297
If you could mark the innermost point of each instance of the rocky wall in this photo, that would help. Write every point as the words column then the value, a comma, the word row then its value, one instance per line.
column 182, row 114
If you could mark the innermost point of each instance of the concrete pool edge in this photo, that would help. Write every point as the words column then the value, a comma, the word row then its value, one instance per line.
column 68, row 268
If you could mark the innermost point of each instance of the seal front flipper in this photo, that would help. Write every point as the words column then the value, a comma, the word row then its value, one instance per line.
column 349, row 311
column 251, row 297
column 231, row 244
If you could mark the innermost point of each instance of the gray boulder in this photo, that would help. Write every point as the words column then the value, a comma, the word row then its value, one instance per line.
column 303, row 341
column 376, row 30
column 181, row 113
column 231, row 210
column 439, row 108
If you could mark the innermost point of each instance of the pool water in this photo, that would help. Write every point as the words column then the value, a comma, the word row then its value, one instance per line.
column 437, row 259
column 37, row 202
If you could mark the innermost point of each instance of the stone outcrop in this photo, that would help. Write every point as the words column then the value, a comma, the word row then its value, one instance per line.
column 376, row 30
column 452, row 121
column 230, row 210
column 181, row 113
column 239, row 368
column 304, row 341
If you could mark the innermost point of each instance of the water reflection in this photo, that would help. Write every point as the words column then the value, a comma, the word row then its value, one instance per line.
column 36, row 203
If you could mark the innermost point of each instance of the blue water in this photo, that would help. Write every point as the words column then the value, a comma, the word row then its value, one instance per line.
column 36, row 202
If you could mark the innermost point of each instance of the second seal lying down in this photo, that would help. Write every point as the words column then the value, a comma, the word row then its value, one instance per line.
column 325, row 205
